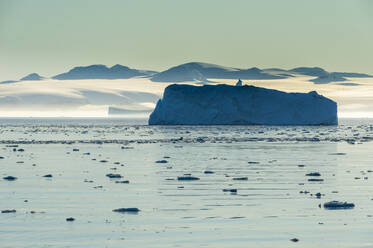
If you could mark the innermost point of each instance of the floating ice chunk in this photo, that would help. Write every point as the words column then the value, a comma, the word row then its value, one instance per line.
column 10, row 178
column 338, row 205
column 313, row 174
column 187, row 178
column 126, row 210
column 111, row 175
column 8, row 211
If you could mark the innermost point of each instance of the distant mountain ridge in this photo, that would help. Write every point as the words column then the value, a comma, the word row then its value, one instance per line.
column 309, row 71
column 197, row 72
column 29, row 77
column 324, row 77
column 102, row 72
column 32, row 77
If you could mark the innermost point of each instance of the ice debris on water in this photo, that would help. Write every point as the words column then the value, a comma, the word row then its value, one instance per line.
column 10, row 178
column 230, row 190
column 313, row 174
column 338, row 205
column 161, row 161
column 111, row 175
column 208, row 172
column 8, row 211
column 187, row 178
column 315, row 180
column 126, row 210
column 125, row 181
column 240, row 178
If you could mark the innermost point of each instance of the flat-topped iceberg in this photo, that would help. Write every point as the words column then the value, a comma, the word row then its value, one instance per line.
column 241, row 105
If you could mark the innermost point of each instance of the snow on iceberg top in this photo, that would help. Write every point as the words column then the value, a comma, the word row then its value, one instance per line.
column 247, row 105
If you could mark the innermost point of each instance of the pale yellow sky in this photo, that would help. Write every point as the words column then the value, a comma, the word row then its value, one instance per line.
column 50, row 37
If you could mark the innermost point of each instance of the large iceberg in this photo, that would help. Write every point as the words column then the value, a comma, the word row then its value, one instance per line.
column 241, row 105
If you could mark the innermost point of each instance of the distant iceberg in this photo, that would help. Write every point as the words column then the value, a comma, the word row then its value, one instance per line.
column 245, row 105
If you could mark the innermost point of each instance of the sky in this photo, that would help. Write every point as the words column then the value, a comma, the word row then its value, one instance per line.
column 51, row 36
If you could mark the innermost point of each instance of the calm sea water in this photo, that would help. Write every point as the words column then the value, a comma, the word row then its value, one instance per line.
column 267, row 211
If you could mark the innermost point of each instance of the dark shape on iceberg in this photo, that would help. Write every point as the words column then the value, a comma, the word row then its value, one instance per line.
column 239, row 83
column 32, row 77
column 246, row 105
column 196, row 71
column 102, row 72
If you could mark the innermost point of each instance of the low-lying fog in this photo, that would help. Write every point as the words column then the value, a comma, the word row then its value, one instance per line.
column 138, row 96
